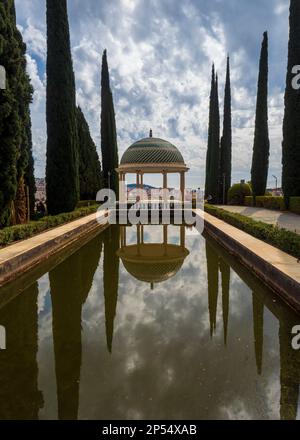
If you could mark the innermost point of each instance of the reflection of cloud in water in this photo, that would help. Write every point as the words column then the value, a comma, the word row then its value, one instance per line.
column 164, row 363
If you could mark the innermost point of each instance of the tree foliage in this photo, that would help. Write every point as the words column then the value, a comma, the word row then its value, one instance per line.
column 226, row 141
column 291, row 124
column 89, row 164
column 62, row 167
column 261, row 148
column 15, row 125
column 109, row 147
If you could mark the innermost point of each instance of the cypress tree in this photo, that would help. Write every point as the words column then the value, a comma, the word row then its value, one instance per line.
column 15, row 149
column 291, row 123
column 261, row 149
column 226, row 141
column 214, row 160
column 10, row 128
column 62, row 144
column 89, row 164
column 29, row 171
column 109, row 147
column 210, row 130
column 25, row 164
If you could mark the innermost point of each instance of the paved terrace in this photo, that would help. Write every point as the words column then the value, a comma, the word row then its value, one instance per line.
column 286, row 220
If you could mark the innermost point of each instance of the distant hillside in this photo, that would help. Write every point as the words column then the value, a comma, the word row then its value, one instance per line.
column 132, row 186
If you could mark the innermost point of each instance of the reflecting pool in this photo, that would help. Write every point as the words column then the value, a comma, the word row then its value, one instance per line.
column 156, row 322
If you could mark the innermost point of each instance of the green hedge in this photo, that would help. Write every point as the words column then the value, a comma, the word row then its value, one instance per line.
column 248, row 201
column 85, row 203
column 270, row 202
column 21, row 232
column 295, row 205
column 238, row 192
column 285, row 240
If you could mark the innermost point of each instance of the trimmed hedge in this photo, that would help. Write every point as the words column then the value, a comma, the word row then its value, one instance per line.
column 295, row 205
column 249, row 201
column 238, row 192
column 20, row 232
column 85, row 203
column 287, row 241
column 270, row 202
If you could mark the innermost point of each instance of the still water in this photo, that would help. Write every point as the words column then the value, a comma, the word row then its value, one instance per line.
column 128, row 329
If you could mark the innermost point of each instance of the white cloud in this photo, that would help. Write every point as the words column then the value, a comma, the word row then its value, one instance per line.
column 160, row 63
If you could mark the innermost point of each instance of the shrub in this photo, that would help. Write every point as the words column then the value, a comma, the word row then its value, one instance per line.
column 270, row 202
column 238, row 192
column 20, row 232
column 249, row 201
column 295, row 205
column 287, row 241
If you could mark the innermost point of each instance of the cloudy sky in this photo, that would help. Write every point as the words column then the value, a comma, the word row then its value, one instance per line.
column 160, row 54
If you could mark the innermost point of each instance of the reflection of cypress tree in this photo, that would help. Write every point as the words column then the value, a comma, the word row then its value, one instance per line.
column 111, row 280
column 19, row 395
column 225, row 274
column 258, row 327
column 70, row 284
column 213, row 285
column 289, row 374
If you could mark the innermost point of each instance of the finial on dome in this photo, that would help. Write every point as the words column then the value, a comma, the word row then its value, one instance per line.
column 151, row 133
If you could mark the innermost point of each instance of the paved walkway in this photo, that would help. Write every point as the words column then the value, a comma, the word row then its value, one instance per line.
column 277, row 269
column 21, row 256
column 286, row 220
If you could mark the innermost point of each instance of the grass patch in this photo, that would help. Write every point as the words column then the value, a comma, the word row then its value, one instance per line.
column 282, row 239
column 21, row 232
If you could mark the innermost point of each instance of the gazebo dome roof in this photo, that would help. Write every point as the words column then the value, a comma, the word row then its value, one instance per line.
column 152, row 150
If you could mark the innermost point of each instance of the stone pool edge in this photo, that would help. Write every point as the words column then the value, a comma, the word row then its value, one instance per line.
column 21, row 257
column 276, row 269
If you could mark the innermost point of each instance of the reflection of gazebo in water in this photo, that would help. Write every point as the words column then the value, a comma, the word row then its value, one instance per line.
column 152, row 262
column 151, row 156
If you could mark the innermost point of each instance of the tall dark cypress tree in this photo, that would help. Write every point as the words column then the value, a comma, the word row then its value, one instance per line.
column 62, row 145
column 109, row 147
column 10, row 127
column 214, row 163
column 226, row 141
column 29, row 171
column 89, row 164
column 291, row 123
column 210, row 130
column 261, row 149
column 25, row 164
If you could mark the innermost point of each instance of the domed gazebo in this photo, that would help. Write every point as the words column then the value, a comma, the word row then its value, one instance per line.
column 152, row 263
column 152, row 156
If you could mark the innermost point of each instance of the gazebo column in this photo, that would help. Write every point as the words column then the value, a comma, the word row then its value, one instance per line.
column 182, row 236
column 165, row 180
column 123, row 236
column 138, row 237
column 142, row 234
column 165, row 186
column 182, row 185
column 122, row 188
column 138, row 186
column 165, row 230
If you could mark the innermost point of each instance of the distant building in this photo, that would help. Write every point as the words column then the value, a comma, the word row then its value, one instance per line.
column 40, row 189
